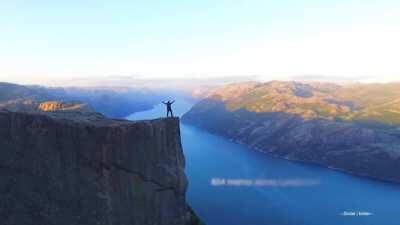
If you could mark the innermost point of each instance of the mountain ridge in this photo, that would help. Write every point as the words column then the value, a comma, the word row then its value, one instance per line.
column 271, row 117
column 104, row 100
column 356, row 102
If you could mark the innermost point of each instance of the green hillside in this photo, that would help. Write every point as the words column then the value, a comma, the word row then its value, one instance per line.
column 358, row 102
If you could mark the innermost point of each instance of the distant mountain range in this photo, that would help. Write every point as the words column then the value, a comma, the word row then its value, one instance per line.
column 112, row 102
column 360, row 102
column 355, row 127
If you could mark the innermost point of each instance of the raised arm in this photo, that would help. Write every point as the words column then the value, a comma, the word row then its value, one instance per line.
column 164, row 102
column 173, row 101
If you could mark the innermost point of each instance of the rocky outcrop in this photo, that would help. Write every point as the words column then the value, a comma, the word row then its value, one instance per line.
column 351, row 147
column 52, row 106
column 91, row 170
column 29, row 106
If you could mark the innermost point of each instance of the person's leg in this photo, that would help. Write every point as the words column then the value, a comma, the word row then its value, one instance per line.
column 172, row 114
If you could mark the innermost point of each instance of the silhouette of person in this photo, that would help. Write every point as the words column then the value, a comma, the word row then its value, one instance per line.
column 169, row 108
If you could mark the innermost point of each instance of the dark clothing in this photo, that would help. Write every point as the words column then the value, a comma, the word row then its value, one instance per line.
column 169, row 108
column 170, row 111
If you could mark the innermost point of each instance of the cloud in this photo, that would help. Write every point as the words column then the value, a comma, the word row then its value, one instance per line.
column 331, row 78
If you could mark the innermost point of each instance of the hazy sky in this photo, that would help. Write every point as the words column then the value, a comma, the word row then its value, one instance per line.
column 41, row 41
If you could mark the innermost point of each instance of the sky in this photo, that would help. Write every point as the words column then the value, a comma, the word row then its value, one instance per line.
column 44, row 41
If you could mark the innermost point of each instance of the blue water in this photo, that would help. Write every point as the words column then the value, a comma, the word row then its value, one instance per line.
column 209, row 156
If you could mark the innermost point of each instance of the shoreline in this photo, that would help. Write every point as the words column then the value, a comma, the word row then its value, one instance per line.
column 305, row 162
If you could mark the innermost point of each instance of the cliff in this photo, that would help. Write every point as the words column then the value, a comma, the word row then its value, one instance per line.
column 83, row 169
column 275, row 118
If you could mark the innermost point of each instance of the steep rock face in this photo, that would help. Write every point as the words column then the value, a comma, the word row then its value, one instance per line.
column 55, row 170
column 341, row 145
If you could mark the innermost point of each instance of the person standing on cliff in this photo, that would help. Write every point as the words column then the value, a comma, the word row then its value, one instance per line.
column 169, row 107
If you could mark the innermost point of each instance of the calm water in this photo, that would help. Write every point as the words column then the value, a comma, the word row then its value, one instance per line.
column 321, row 202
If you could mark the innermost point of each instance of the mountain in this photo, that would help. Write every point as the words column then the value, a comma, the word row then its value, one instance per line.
column 112, row 102
column 355, row 128
column 10, row 91
column 362, row 102
column 65, row 166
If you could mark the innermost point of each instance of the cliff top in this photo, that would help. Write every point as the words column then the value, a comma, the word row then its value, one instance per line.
column 86, row 118
column 84, row 168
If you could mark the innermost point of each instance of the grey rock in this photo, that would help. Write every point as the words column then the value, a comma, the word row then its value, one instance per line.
column 86, row 169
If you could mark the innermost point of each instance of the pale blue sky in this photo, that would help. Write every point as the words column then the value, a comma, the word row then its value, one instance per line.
column 42, row 41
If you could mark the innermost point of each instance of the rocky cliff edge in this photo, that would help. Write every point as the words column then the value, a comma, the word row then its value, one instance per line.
column 86, row 169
